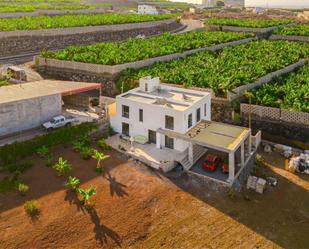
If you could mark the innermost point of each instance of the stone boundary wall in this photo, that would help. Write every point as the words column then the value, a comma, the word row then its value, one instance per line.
column 250, row 30
column 239, row 91
column 275, row 114
column 22, row 42
column 113, row 70
column 289, row 38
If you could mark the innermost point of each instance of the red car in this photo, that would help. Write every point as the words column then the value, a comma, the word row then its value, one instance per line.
column 211, row 163
column 225, row 168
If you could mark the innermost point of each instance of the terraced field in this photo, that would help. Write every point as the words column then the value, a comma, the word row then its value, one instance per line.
column 300, row 30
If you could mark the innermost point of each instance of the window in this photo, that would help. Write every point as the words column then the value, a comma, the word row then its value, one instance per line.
column 125, row 129
column 141, row 115
column 189, row 120
column 205, row 110
column 198, row 115
column 125, row 111
column 169, row 142
column 146, row 87
column 169, row 122
column 152, row 136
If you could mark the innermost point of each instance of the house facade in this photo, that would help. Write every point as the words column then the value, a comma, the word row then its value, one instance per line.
column 152, row 106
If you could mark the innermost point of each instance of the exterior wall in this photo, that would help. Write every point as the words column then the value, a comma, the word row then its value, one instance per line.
column 29, row 113
column 292, row 4
column 147, row 9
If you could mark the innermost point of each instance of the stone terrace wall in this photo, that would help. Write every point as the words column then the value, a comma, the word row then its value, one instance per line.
column 289, row 38
column 23, row 42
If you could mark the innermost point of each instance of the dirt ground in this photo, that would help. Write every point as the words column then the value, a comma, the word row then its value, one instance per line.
column 136, row 207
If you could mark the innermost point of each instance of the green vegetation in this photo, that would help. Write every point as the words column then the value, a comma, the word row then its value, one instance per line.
column 248, row 23
column 112, row 53
column 19, row 167
column 31, row 208
column 102, row 144
column 39, row 1
column 9, row 8
column 4, row 83
column 73, row 183
column 86, row 194
column 99, row 156
column 300, row 30
column 9, row 184
column 78, row 20
column 289, row 92
column 62, row 167
column 224, row 71
column 86, row 152
column 23, row 188
column 13, row 152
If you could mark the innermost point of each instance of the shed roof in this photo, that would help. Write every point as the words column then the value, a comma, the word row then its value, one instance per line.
column 43, row 88
column 219, row 136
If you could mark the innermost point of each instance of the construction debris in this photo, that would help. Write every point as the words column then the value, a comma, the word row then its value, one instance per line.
column 299, row 164
column 256, row 184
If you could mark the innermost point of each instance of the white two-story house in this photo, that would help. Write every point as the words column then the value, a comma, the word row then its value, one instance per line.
column 153, row 106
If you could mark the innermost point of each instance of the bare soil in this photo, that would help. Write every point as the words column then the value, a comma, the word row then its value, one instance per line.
column 136, row 207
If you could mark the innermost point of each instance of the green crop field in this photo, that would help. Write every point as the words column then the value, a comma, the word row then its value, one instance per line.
column 288, row 92
column 248, row 23
column 223, row 71
column 138, row 49
column 81, row 20
column 300, row 30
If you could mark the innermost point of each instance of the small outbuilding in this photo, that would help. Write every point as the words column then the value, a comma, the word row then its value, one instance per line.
column 26, row 106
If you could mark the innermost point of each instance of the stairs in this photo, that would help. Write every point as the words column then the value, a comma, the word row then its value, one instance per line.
column 198, row 152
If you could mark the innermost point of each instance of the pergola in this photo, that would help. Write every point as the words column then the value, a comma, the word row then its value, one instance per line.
column 219, row 136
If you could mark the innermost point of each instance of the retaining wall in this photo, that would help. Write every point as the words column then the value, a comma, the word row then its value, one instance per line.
column 23, row 42
column 289, row 38
column 239, row 91
column 112, row 70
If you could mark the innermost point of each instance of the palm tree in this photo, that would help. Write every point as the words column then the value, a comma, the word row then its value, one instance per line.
column 62, row 166
column 86, row 194
column 97, row 155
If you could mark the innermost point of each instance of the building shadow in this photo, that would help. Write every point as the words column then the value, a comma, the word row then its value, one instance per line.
column 102, row 232
column 115, row 187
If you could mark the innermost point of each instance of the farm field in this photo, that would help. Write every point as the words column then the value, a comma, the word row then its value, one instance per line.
column 139, row 49
column 78, row 20
column 224, row 71
column 136, row 207
column 300, row 30
column 289, row 92
column 248, row 23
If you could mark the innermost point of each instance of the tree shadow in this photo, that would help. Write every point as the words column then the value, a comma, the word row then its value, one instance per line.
column 72, row 198
column 115, row 186
column 102, row 232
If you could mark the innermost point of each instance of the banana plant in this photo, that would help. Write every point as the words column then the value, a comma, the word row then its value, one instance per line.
column 86, row 194
column 62, row 167
column 99, row 156
column 73, row 183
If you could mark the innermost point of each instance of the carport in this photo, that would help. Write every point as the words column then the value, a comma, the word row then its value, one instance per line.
column 233, row 141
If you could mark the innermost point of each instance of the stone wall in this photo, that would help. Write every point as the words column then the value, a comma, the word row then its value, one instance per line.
column 23, row 42
column 289, row 38
column 221, row 110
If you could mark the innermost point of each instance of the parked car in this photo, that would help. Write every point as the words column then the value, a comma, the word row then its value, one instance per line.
column 59, row 121
column 211, row 163
column 224, row 167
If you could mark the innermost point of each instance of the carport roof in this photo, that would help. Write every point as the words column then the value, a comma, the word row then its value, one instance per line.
column 219, row 136
column 43, row 88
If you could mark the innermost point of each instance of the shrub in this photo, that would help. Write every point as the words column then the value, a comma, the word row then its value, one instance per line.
column 9, row 184
column 23, row 166
column 23, row 188
column 31, row 208
column 73, row 183
column 62, row 167
column 49, row 160
column 86, row 194
column 77, row 146
column 86, row 153
column 102, row 144
column 42, row 151
column 99, row 157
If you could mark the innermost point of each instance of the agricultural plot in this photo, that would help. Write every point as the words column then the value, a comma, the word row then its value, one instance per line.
column 81, row 20
column 301, row 30
column 247, row 23
column 287, row 92
column 10, row 8
column 139, row 49
column 222, row 72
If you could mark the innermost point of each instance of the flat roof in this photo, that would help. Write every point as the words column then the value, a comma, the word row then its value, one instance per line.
column 220, row 136
column 17, row 92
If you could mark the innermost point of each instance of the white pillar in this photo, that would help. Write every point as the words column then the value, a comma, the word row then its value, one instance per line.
column 250, row 144
column 158, row 140
column 191, row 153
column 242, row 152
column 231, row 167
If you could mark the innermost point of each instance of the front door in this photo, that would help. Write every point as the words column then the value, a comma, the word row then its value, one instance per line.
column 169, row 142
column 152, row 136
column 125, row 129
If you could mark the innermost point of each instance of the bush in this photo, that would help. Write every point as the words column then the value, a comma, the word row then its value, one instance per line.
column 49, row 160
column 31, row 208
column 62, row 167
column 102, row 144
column 19, row 167
column 23, row 188
column 9, row 184
column 43, row 151
column 86, row 153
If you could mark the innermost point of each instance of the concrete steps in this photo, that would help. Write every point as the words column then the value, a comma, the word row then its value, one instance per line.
column 198, row 152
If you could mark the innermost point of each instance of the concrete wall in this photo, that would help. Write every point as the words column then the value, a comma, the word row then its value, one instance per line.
column 22, row 42
column 27, row 114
